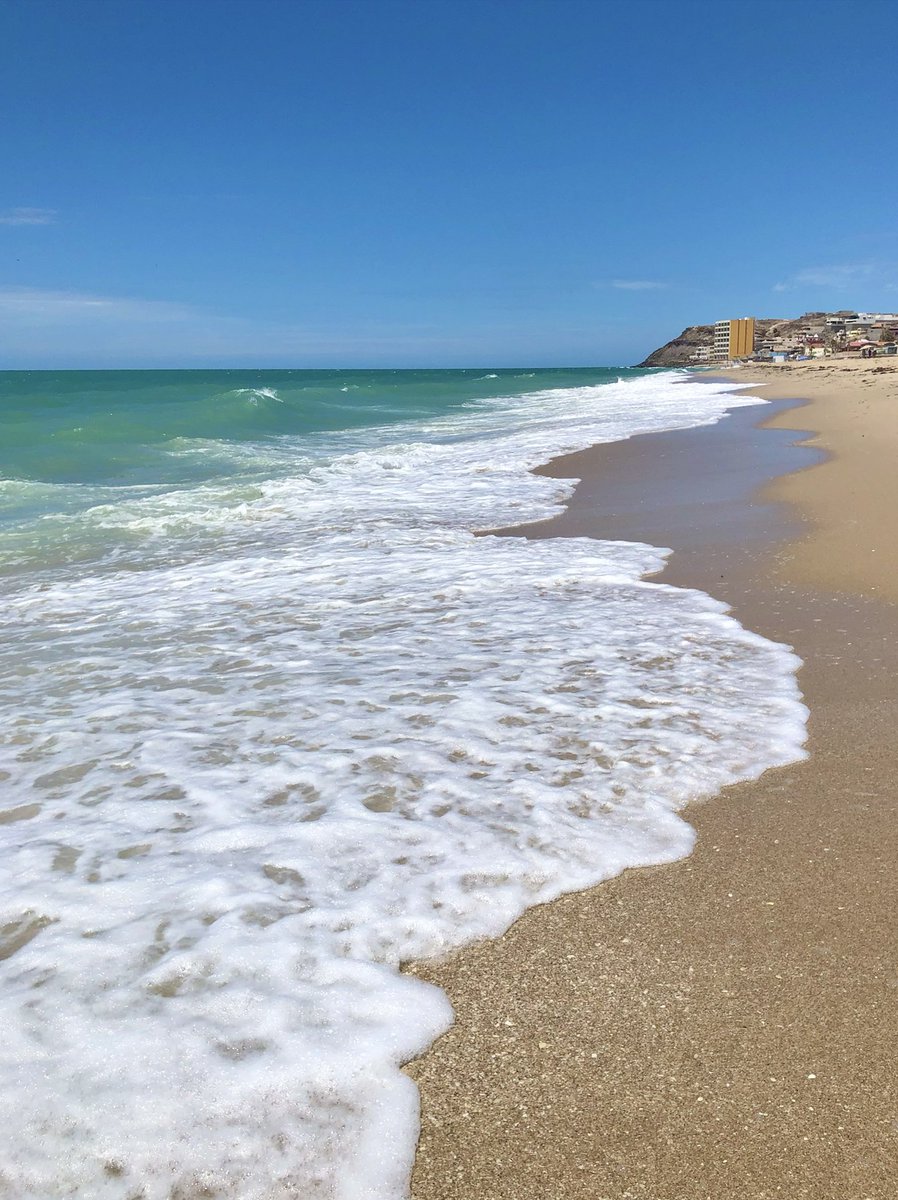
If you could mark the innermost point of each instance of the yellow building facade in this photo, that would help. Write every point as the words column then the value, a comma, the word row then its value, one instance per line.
column 733, row 339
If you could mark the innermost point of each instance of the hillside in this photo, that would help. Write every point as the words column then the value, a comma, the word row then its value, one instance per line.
column 683, row 350
column 834, row 330
column 680, row 351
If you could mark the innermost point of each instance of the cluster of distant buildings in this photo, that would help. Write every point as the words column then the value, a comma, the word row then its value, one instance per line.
column 814, row 335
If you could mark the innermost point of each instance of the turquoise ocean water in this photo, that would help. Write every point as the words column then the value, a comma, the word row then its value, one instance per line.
column 73, row 440
column 126, row 428
column 273, row 721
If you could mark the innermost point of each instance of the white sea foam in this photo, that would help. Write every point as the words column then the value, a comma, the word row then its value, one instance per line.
column 258, row 394
column 337, row 733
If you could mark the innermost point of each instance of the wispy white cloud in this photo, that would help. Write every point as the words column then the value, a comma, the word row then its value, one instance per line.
column 45, row 326
column 639, row 285
column 840, row 276
column 28, row 216
column 26, row 306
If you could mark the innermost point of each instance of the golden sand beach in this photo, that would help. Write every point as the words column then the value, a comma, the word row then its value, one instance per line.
column 724, row 1027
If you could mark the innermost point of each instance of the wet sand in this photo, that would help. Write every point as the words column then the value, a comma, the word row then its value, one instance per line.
column 724, row 1026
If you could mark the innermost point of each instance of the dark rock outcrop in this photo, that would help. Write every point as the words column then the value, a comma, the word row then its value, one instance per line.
column 681, row 350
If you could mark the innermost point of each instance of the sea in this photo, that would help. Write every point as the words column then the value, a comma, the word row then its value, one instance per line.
column 275, row 722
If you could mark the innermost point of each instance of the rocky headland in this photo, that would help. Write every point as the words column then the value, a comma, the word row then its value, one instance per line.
column 832, row 330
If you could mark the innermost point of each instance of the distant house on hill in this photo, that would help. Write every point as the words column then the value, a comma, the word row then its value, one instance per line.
column 761, row 337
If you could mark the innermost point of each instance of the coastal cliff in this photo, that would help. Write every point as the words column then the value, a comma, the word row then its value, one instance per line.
column 685, row 349
column 832, row 329
column 681, row 350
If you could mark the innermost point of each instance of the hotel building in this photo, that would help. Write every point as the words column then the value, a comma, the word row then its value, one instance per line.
column 733, row 339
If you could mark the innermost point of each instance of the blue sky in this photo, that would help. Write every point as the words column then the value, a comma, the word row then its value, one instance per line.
column 435, row 183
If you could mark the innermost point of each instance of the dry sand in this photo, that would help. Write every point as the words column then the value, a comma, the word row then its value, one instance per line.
column 854, row 499
column 725, row 1027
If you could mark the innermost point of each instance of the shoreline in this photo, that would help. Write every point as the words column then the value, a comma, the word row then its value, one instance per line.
column 723, row 1025
column 858, row 494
